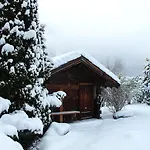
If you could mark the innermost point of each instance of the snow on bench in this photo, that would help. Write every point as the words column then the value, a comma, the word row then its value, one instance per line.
column 65, row 113
column 61, row 113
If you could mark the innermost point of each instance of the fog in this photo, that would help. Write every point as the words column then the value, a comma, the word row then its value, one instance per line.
column 107, row 30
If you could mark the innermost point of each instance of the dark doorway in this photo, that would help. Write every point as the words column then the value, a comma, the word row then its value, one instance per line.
column 86, row 101
column 71, row 103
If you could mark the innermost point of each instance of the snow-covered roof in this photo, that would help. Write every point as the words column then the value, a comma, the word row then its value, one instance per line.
column 65, row 58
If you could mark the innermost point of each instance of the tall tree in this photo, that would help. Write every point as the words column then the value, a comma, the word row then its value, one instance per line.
column 24, row 63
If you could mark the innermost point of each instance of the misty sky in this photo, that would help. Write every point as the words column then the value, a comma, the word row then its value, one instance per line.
column 106, row 29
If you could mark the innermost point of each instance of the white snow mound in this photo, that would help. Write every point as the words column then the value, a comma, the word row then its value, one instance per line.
column 60, row 128
column 4, row 104
column 8, row 130
column 123, row 114
column 7, row 48
column 20, row 120
column 1, row 5
column 7, row 143
column 30, row 34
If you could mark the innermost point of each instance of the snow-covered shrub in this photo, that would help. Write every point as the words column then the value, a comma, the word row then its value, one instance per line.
column 130, row 91
column 115, row 98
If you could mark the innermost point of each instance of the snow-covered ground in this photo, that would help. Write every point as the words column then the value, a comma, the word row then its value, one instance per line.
column 6, row 143
column 130, row 133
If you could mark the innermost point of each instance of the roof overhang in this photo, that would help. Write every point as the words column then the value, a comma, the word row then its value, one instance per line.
column 89, row 64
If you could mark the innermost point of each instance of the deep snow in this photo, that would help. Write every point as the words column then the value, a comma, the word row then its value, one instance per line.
column 6, row 143
column 130, row 133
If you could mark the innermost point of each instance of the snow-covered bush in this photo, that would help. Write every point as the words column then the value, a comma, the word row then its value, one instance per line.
column 115, row 98
column 130, row 91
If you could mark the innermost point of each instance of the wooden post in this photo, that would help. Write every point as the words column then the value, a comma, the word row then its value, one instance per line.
column 61, row 116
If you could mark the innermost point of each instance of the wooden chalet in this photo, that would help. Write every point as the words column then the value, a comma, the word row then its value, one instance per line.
column 80, row 76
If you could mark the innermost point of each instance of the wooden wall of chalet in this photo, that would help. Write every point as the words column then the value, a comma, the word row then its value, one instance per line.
column 80, row 83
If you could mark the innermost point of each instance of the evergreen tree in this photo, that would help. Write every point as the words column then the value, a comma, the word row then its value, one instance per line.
column 137, row 91
column 24, row 64
column 146, row 82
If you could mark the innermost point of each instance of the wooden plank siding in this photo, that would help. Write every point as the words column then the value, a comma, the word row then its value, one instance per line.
column 80, row 79
column 62, row 87
column 86, row 101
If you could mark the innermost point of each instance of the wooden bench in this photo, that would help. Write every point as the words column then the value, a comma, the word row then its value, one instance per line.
column 61, row 113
